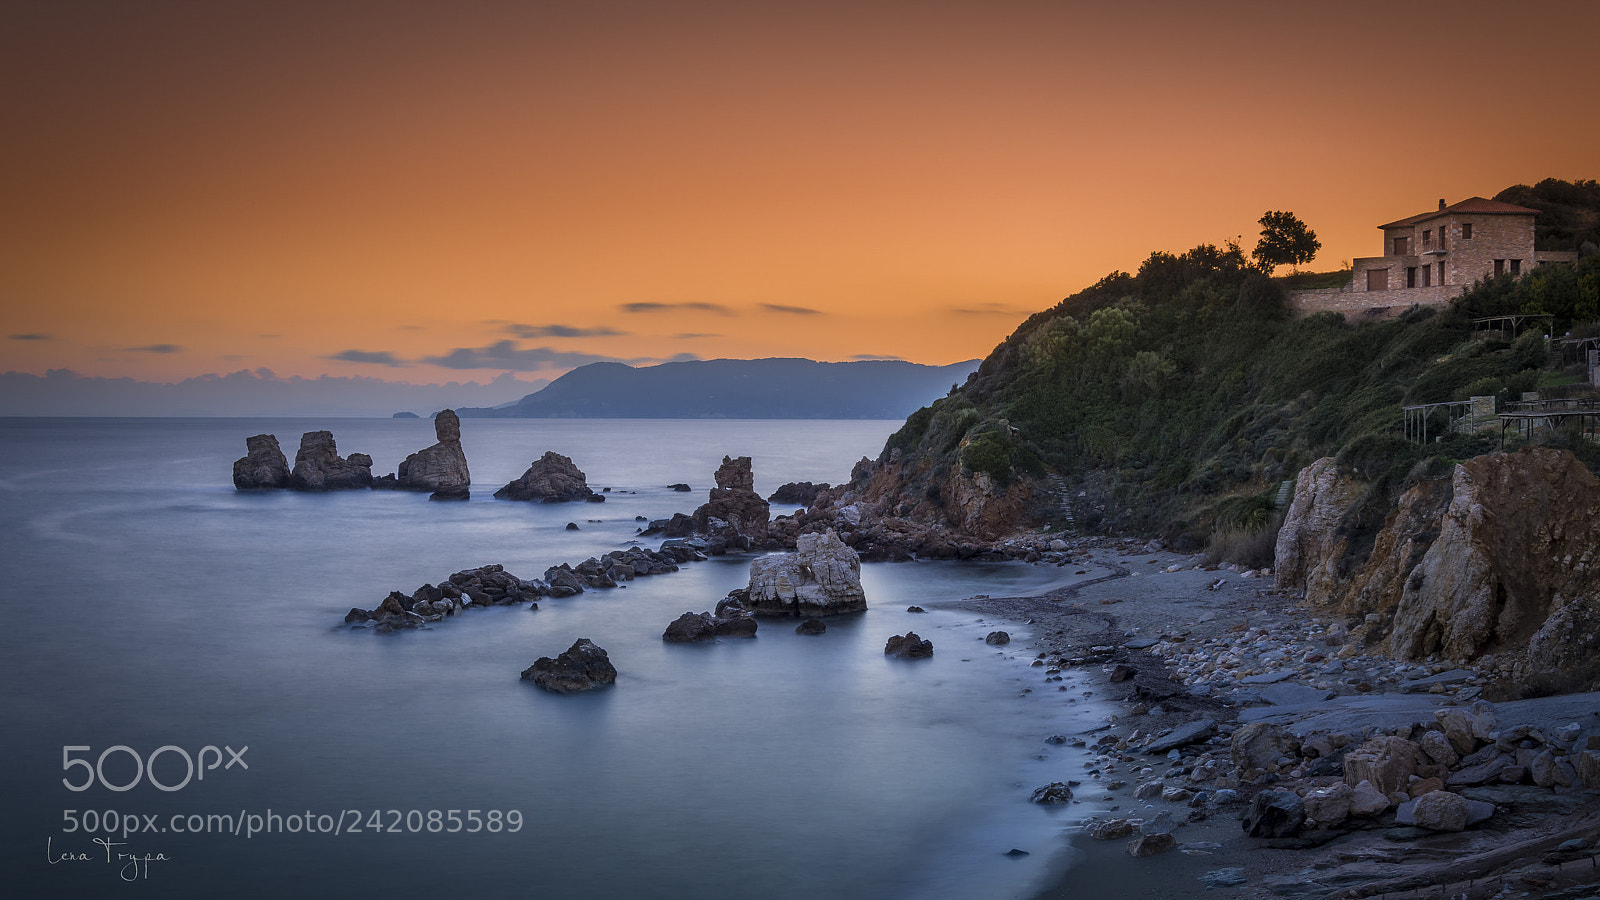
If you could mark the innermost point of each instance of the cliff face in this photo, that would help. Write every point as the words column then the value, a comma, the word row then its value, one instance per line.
column 1498, row 558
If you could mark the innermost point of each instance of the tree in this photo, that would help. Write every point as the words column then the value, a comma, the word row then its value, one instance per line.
column 1285, row 240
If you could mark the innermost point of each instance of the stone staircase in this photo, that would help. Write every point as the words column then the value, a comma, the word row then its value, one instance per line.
column 1058, row 487
column 1285, row 494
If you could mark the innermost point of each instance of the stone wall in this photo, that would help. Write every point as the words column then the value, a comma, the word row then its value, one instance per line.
column 1345, row 301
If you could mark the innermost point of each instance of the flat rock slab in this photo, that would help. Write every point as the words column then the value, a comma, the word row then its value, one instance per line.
column 1422, row 685
column 1142, row 643
column 1269, row 677
column 1183, row 735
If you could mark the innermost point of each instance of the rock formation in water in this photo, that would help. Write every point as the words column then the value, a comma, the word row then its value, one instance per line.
column 583, row 667
column 798, row 493
column 551, row 478
column 263, row 466
column 319, row 467
column 1502, row 557
column 692, row 627
column 908, row 646
column 821, row 577
column 735, row 501
column 441, row 468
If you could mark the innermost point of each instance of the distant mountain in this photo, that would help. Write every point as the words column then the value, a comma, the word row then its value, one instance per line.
column 739, row 389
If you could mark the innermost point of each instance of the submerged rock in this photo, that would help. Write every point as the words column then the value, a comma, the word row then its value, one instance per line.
column 263, row 467
column 811, row 627
column 551, row 478
column 691, row 627
column 319, row 467
column 583, row 667
column 822, row 577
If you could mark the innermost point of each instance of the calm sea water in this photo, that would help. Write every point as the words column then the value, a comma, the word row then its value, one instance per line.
column 150, row 605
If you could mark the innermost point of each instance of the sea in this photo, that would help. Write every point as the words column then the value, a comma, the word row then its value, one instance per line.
column 187, row 715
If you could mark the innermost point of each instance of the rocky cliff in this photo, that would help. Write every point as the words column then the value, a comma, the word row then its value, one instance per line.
column 1498, row 558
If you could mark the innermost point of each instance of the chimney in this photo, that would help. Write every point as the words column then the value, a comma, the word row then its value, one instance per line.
column 1441, row 203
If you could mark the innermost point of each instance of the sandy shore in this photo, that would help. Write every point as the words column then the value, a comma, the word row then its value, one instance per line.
column 1107, row 612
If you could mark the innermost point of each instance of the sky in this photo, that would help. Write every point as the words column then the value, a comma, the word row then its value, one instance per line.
column 432, row 192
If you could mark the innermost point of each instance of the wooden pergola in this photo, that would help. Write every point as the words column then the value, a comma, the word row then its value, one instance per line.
column 1514, row 322
column 1417, row 418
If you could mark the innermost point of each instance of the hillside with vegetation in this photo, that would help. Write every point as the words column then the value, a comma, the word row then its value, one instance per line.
column 1176, row 400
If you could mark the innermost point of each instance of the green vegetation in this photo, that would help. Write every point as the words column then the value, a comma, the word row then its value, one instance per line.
column 1569, row 212
column 1177, row 399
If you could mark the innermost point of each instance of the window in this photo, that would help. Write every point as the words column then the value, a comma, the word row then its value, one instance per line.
column 1441, row 272
column 1427, row 271
column 1402, row 245
column 1499, row 267
column 1377, row 279
column 1411, row 276
column 1466, row 231
column 1427, row 238
column 1516, row 267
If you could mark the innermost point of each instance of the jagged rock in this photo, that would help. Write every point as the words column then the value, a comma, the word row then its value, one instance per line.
column 552, row 478
column 1256, row 745
column 997, row 639
column 582, row 667
column 1458, row 731
column 1440, row 749
column 1152, row 844
column 908, row 646
column 811, row 627
column 441, row 467
column 1111, row 829
column 798, row 493
column 563, row 581
column 319, row 467
column 1054, row 792
column 1122, row 672
column 691, row 627
column 1386, row 762
column 263, row 467
column 735, row 502
column 1274, row 814
column 822, row 577
column 1304, row 557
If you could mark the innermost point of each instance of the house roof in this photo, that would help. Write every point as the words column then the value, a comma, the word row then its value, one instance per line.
column 1477, row 206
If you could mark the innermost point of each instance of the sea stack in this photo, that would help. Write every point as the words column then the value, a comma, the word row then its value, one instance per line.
column 441, row 468
column 263, row 466
column 735, row 501
column 319, row 467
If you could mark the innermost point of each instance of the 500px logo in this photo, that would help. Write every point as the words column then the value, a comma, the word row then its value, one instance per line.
column 195, row 767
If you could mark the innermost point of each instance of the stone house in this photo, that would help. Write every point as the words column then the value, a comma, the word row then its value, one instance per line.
column 1434, row 256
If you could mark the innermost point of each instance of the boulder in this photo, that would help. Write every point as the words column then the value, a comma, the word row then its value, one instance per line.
column 997, row 639
column 1054, row 792
column 319, row 467
column 441, row 467
column 1274, row 814
column 1439, row 811
column 1387, row 762
column 821, row 577
column 1439, row 748
column 552, row 478
column 1111, row 829
column 908, row 646
column 582, row 667
column 691, row 627
column 263, row 466
column 1256, row 745
column 1366, row 800
column 1329, row 806
column 810, row 627
column 1151, row 844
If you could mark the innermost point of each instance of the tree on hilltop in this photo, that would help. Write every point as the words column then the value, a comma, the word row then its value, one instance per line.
column 1285, row 240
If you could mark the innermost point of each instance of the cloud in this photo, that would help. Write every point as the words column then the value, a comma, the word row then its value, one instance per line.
column 647, row 307
column 560, row 331
column 684, row 357
column 505, row 355
column 32, row 336
column 987, row 309
column 689, row 335
column 376, row 357
column 871, row 356
column 790, row 310
column 156, row 348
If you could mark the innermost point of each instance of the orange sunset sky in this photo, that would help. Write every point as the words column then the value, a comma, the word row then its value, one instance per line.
column 429, row 191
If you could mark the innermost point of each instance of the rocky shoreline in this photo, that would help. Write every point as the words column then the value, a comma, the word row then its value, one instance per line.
column 1240, row 712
